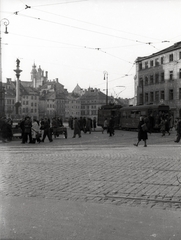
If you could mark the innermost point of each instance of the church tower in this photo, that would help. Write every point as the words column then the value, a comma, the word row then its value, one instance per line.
column 34, row 75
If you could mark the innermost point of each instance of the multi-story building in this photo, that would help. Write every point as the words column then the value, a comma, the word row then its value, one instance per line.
column 91, row 101
column 72, row 107
column 158, row 78
column 29, row 99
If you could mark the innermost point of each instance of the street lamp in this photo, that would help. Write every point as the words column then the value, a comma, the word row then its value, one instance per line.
column 5, row 21
column 106, row 78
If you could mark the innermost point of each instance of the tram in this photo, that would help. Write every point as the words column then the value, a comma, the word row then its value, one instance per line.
column 129, row 116
column 108, row 111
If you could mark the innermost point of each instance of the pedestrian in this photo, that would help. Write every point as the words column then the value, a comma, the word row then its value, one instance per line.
column 94, row 123
column 88, row 127
column 171, row 121
column 27, row 130
column 142, row 132
column 47, row 131
column 105, row 125
column 167, row 125
column 35, row 131
column 111, row 127
column 76, row 128
column 9, row 130
column 178, row 129
column 55, row 124
column 4, row 130
column 81, row 123
column 162, row 126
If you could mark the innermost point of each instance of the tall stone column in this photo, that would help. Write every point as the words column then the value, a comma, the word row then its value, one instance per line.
column 17, row 101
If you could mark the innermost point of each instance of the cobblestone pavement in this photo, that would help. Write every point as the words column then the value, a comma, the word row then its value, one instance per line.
column 95, row 168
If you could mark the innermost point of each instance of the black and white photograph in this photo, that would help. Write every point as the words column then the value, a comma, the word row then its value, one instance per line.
column 90, row 120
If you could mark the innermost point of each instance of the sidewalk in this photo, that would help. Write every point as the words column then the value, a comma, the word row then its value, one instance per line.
column 46, row 219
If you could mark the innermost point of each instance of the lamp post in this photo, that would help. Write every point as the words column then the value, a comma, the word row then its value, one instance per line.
column 5, row 21
column 106, row 78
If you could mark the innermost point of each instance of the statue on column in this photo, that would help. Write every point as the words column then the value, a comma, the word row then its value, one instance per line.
column 18, row 62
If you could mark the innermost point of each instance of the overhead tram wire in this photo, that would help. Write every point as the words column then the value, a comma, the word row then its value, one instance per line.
column 51, row 4
column 79, row 28
column 91, row 23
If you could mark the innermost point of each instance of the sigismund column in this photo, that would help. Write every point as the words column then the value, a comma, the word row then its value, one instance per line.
column 17, row 101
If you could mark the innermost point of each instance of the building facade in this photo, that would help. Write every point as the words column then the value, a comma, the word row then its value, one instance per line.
column 158, row 78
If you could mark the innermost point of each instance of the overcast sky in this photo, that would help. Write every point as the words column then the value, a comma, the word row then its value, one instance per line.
column 77, row 40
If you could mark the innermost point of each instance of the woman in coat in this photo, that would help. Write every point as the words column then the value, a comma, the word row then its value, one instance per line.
column 142, row 133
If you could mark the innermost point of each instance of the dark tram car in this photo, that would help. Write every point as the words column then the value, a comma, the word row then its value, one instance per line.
column 129, row 116
column 108, row 111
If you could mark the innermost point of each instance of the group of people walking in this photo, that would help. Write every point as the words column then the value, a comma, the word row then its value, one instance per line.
column 34, row 131
column 82, row 124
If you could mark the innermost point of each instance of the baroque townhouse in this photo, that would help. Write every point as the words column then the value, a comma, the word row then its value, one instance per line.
column 91, row 101
column 72, row 107
column 158, row 78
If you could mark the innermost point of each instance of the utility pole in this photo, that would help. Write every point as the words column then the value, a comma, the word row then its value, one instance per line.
column 106, row 78
column 5, row 21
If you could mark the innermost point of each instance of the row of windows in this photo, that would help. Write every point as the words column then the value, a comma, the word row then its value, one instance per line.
column 10, row 101
column 26, row 110
column 88, row 107
column 31, row 97
column 158, row 95
column 157, row 78
column 157, row 61
column 93, row 112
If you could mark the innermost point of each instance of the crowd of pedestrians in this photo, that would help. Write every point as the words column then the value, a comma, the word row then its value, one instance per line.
column 36, row 131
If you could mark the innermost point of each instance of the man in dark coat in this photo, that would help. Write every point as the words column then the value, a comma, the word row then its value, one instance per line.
column 47, row 131
column 111, row 127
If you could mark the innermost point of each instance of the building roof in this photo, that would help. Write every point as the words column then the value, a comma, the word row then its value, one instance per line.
column 174, row 47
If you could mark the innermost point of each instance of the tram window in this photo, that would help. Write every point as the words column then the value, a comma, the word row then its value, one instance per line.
column 124, row 114
column 143, row 113
column 133, row 114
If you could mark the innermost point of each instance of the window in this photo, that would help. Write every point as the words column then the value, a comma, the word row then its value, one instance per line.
column 151, row 96
column 146, row 64
column 140, row 66
column 151, row 79
column 162, row 95
column 162, row 77
column 151, row 63
column 141, row 82
column 162, row 60
column 180, row 73
column 156, row 62
column 171, row 57
column 157, row 96
column 32, row 104
column 141, row 98
column 146, row 81
column 171, row 94
column 26, row 102
column 157, row 78
column 146, row 97
column 179, row 93
column 171, row 75
column 32, row 97
column 179, row 55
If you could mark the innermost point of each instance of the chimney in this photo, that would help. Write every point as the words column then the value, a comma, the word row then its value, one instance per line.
column 46, row 75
